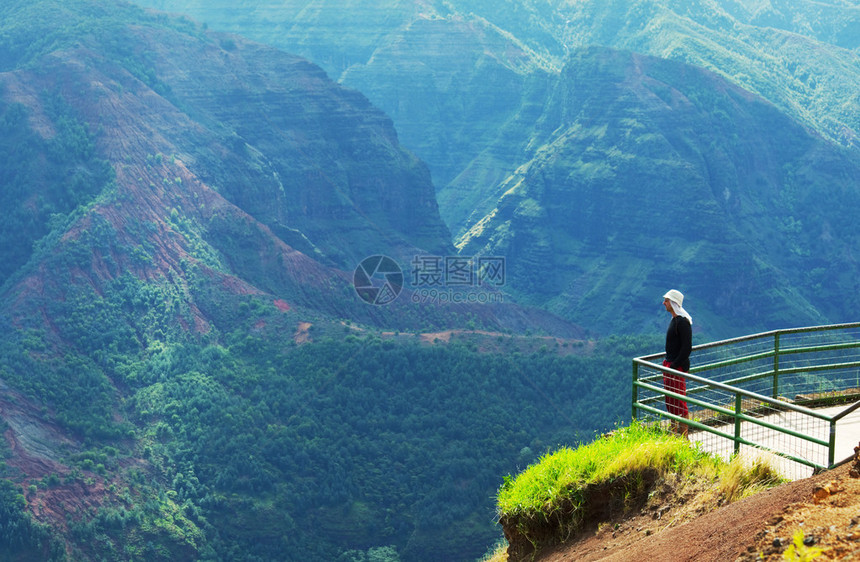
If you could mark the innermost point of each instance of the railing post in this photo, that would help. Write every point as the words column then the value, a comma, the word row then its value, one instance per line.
column 831, row 453
column 775, row 365
column 738, row 405
column 635, row 391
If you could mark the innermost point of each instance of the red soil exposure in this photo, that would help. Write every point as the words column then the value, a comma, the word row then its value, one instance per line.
column 53, row 491
column 32, row 443
column 30, row 466
column 282, row 305
column 51, row 505
column 234, row 284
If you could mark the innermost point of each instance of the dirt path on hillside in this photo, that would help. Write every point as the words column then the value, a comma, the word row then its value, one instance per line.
column 826, row 507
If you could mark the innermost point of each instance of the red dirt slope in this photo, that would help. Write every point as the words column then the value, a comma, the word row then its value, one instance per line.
column 825, row 507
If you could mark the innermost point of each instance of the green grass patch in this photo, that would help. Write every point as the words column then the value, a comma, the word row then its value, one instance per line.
column 550, row 501
column 560, row 477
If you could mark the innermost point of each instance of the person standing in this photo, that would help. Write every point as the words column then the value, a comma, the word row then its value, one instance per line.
column 679, row 343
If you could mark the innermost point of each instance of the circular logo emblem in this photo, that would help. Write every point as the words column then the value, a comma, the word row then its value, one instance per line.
column 378, row 280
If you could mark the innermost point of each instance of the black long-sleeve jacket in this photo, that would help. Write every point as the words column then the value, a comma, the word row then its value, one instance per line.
column 679, row 343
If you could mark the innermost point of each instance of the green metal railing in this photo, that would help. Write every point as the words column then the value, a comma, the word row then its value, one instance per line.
column 758, row 391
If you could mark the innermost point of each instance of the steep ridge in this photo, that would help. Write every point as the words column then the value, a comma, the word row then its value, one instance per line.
column 797, row 55
column 284, row 144
column 653, row 174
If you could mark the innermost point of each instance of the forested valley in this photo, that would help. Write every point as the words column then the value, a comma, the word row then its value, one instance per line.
column 259, row 448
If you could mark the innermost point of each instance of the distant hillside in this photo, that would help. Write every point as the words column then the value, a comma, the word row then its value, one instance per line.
column 453, row 81
column 475, row 88
column 313, row 162
column 653, row 174
column 456, row 75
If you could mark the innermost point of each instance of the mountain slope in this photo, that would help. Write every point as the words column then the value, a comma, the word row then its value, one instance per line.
column 653, row 174
column 450, row 79
column 251, row 163
column 283, row 143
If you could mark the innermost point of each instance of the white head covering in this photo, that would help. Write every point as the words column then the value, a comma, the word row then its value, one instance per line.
column 676, row 298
